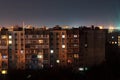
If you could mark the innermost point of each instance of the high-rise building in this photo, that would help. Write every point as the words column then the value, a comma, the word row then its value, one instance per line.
column 58, row 46
column 73, row 46
column 37, row 48
column 92, row 46
column 113, row 47
column 4, row 42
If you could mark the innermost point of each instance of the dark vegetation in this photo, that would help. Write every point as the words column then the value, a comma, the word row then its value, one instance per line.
column 101, row 72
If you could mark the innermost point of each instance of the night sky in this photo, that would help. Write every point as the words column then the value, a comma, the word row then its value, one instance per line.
column 61, row 12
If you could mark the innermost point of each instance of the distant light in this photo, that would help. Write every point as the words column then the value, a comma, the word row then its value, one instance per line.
column 111, row 28
column 4, row 72
column 101, row 27
column 81, row 69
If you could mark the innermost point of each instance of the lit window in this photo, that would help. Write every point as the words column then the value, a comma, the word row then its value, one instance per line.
column 75, row 45
column 86, row 68
column 112, row 42
column 81, row 69
column 4, row 72
column 57, row 61
column 40, row 56
column 22, row 52
column 118, row 40
column 115, row 42
column 76, row 56
column 63, row 36
column 40, row 41
column 75, row 36
column 10, row 42
column 4, row 57
column 63, row 46
column 86, row 45
column 112, row 37
column 51, row 51
column 69, row 61
column 3, row 36
column 10, row 37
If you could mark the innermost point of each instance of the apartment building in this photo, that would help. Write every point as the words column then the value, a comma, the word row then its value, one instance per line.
column 4, row 42
column 58, row 46
column 92, row 46
column 73, row 46
column 37, row 48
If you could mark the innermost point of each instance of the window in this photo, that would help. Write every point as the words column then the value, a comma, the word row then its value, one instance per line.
column 3, row 36
column 118, row 40
column 10, row 37
column 115, row 42
column 10, row 42
column 51, row 51
column 63, row 46
column 4, row 56
column 40, row 41
column 75, row 36
column 63, row 36
column 76, row 56
column 86, row 45
column 57, row 61
column 22, row 51
column 112, row 42
column 112, row 37
column 39, row 56
column 75, row 45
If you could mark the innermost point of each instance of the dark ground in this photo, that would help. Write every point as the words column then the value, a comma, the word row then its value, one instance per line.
column 102, row 72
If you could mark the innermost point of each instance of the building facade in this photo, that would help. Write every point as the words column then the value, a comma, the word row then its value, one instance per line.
column 58, row 46
column 4, row 42
column 92, row 46
column 35, row 48
column 73, row 46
